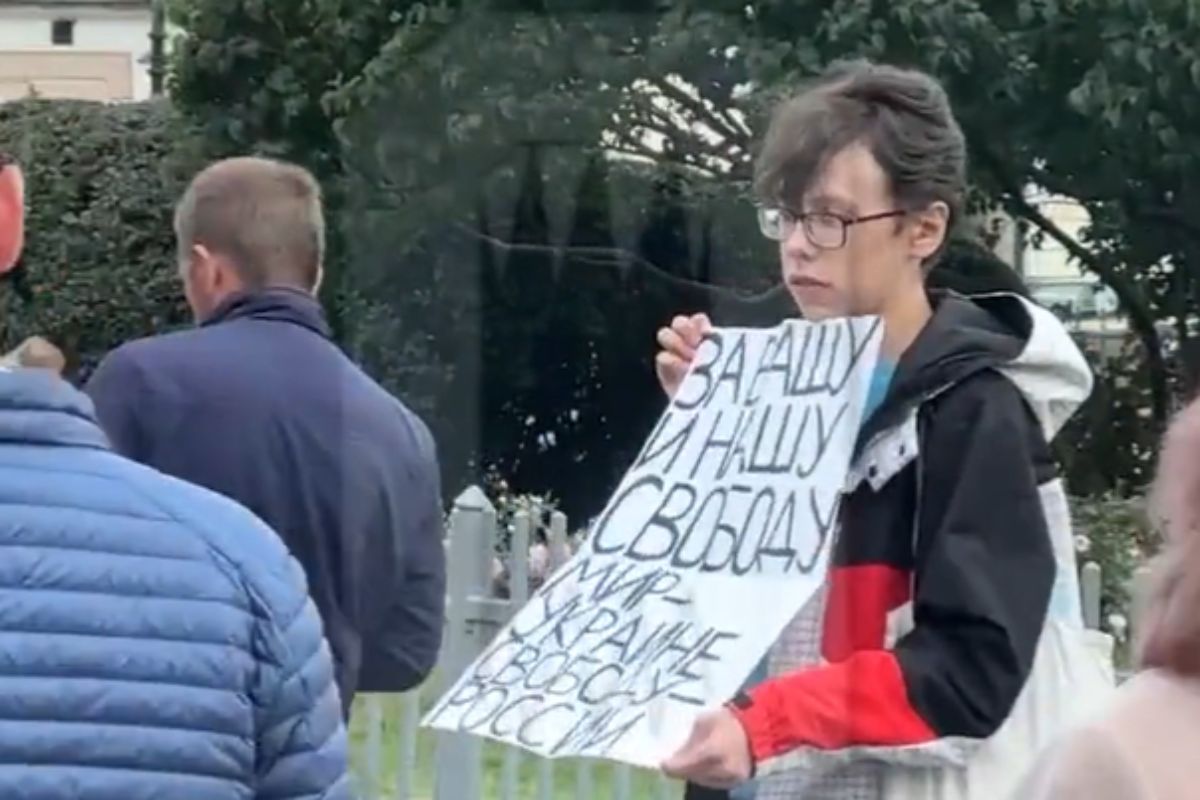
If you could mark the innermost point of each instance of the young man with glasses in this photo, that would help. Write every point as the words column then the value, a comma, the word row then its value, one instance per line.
column 953, row 554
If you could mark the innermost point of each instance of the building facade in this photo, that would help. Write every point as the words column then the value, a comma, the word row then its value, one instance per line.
column 82, row 49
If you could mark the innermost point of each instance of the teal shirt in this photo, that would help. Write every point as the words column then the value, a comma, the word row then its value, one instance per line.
column 881, row 379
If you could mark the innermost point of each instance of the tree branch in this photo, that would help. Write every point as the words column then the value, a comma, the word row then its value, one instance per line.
column 1167, row 215
column 701, row 110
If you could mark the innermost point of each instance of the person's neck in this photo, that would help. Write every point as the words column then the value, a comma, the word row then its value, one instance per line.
column 903, row 321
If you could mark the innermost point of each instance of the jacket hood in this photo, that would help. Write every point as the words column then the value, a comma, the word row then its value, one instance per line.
column 39, row 407
column 1001, row 331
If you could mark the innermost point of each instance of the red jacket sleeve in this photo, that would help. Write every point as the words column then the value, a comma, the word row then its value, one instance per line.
column 984, row 572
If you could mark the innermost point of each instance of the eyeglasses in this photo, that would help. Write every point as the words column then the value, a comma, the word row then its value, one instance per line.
column 823, row 229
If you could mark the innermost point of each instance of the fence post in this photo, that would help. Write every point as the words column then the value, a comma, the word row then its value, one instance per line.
column 518, row 593
column 1139, row 592
column 472, row 531
column 1090, row 589
column 559, row 545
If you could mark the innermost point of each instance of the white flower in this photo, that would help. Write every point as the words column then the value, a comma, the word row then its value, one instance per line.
column 1082, row 544
column 1118, row 625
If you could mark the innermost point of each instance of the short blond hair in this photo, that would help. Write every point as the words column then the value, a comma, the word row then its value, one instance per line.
column 265, row 216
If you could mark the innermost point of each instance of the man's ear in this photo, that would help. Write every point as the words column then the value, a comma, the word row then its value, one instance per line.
column 929, row 230
column 12, row 216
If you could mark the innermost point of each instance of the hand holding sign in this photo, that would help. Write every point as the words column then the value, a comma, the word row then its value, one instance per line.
column 716, row 755
column 679, row 343
column 715, row 538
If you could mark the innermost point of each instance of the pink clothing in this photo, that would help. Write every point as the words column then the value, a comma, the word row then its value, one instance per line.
column 1147, row 747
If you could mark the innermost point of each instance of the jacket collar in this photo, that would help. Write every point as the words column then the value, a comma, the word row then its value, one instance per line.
column 278, row 304
column 38, row 407
column 960, row 339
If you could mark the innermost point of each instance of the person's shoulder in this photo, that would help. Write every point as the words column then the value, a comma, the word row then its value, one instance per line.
column 987, row 392
column 393, row 419
column 236, row 540
column 988, row 404
column 152, row 353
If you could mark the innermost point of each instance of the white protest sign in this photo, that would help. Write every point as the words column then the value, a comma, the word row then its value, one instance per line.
column 715, row 538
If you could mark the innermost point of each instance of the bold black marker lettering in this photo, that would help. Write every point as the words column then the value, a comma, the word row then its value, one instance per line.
column 524, row 735
column 740, row 450
column 765, row 458
column 463, row 695
column 485, row 706
column 622, row 639
column 677, row 440
column 804, row 386
column 857, row 348
column 518, row 667
column 654, row 646
column 703, row 371
column 727, row 531
column 665, row 520
column 583, row 567
column 659, row 582
column 586, row 690
column 569, row 679
column 561, row 625
column 550, row 665
column 681, row 558
column 732, row 372
column 550, row 613
column 604, row 735
column 602, row 621
column 717, row 441
column 630, row 577
column 825, row 433
column 742, row 566
column 704, row 653
column 769, row 545
column 508, row 647
column 825, row 524
column 515, row 704
column 768, row 349
column 831, row 361
column 600, row 544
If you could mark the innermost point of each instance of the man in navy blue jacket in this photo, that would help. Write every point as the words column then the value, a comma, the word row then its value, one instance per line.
column 157, row 639
column 256, row 402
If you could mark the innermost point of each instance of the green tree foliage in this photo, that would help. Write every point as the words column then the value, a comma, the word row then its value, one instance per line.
column 99, row 263
column 499, row 270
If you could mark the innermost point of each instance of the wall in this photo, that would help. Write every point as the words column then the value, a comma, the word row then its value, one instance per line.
column 106, row 60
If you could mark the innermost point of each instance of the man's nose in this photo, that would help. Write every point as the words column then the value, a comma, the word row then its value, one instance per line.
column 796, row 244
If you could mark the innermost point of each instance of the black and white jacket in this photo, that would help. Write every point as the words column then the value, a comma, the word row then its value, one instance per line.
column 954, row 554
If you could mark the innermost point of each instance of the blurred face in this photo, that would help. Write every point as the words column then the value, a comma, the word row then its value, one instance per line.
column 208, row 279
column 12, row 216
column 848, row 249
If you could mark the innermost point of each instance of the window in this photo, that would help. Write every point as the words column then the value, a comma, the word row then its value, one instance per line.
column 62, row 32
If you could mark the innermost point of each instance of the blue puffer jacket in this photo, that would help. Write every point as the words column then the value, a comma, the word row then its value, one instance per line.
column 156, row 640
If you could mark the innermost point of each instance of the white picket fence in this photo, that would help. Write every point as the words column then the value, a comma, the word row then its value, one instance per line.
column 395, row 759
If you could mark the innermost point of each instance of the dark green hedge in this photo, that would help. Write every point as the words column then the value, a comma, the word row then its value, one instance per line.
column 99, row 265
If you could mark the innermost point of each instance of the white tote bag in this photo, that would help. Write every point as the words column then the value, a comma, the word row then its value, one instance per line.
column 1072, row 681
